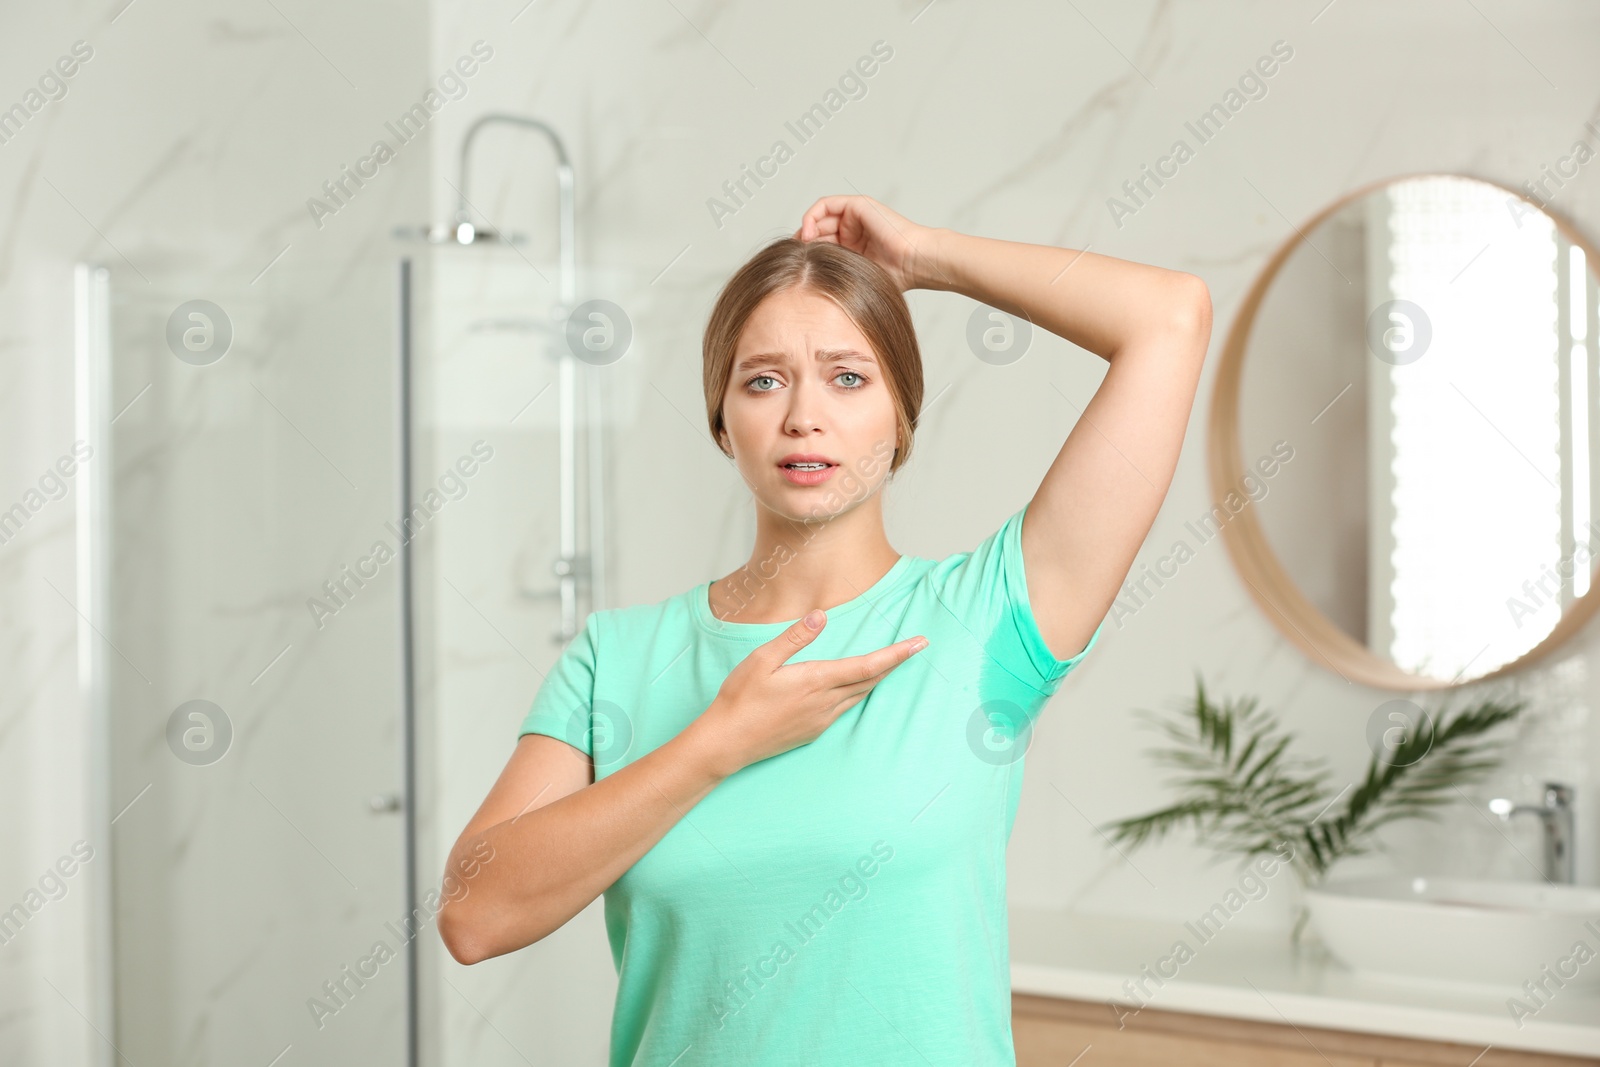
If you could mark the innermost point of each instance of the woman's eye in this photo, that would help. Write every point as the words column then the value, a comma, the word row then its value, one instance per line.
column 751, row 384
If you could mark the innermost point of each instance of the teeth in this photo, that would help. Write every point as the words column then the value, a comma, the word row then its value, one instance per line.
column 806, row 466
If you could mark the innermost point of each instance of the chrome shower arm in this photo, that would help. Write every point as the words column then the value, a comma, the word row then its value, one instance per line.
column 566, row 235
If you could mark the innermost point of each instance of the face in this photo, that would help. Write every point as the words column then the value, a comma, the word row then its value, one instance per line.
column 806, row 382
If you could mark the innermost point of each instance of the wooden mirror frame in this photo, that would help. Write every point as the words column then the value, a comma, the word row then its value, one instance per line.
column 1301, row 621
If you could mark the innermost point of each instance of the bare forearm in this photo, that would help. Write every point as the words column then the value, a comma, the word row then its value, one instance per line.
column 550, row 863
column 1097, row 302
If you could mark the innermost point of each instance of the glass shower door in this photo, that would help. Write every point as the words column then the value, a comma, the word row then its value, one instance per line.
column 251, row 664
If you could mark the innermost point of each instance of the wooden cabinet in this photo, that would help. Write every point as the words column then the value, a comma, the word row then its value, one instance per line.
column 1052, row 1032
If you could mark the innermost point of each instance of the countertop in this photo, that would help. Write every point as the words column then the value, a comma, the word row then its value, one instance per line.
column 1244, row 973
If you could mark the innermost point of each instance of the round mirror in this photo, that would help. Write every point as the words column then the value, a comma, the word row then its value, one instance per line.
column 1404, row 434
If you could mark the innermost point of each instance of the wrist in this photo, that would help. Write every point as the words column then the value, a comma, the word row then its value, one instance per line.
column 702, row 750
column 930, row 267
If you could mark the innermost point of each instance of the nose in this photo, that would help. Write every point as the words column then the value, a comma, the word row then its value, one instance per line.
column 802, row 417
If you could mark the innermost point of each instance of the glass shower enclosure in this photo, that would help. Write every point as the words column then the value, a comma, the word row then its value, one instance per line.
column 334, row 540
column 248, row 675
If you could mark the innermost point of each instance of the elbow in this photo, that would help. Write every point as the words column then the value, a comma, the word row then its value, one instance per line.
column 1191, row 311
column 456, row 934
column 472, row 938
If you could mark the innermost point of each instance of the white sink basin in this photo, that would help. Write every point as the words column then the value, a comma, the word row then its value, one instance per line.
column 1461, row 930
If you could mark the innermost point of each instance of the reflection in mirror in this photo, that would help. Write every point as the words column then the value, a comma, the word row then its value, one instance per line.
column 1429, row 352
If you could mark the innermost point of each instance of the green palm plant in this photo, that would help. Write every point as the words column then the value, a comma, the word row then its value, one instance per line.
column 1242, row 791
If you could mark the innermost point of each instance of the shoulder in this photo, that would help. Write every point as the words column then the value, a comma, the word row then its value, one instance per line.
column 986, row 589
column 635, row 624
column 981, row 572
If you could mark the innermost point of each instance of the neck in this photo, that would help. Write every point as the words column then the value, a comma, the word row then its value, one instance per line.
column 798, row 566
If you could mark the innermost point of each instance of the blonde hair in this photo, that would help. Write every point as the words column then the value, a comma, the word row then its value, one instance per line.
column 863, row 291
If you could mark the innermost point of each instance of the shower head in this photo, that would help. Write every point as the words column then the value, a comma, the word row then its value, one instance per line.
column 462, row 233
column 461, row 230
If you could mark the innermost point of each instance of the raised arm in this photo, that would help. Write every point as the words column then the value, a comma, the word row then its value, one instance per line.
column 1100, row 497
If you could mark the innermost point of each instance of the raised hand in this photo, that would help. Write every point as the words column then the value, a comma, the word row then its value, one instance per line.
column 863, row 225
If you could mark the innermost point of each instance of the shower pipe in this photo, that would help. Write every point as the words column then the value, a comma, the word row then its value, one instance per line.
column 570, row 566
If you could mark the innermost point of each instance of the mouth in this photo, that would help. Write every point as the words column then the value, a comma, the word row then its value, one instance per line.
column 807, row 469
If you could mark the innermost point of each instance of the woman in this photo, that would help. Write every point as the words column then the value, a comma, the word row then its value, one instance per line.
column 795, row 873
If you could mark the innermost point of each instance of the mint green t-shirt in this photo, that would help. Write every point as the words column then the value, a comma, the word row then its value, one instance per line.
column 844, row 902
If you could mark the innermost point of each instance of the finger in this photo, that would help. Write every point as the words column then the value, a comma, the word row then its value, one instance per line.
column 823, row 207
column 808, row 221
column 797, row 636
column 824, row 216
column 846, row 703
column 833, row 205
column 825, row 228
column 867, row 684
column 870, row 666
column 858, row 690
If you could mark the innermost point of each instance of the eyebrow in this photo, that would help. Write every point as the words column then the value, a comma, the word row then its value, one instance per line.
column 824, row 355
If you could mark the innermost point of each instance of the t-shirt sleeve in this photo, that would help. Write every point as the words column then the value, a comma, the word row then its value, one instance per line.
column 987, row 590
column 563, row 704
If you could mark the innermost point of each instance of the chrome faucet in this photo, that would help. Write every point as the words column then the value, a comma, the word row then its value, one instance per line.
column 1555, row 813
